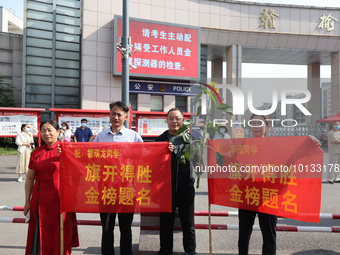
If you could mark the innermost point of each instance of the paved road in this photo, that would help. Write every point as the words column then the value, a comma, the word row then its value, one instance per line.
column 13, row 236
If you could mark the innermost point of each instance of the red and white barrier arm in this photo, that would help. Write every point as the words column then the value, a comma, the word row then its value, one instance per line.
column 11, row 208
column 236, row 227
column 216, row 213
column 12, row 220
column 199, row 226
column 79, row 222
column 324, row 216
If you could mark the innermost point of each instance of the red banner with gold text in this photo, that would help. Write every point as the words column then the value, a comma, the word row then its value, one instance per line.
column 276, row 175
column 115, row 177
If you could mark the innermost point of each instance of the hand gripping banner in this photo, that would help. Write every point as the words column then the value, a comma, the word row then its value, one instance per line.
column 115, row 177
column 275, row 175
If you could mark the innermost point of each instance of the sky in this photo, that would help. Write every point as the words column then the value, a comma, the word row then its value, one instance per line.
column 16, row 5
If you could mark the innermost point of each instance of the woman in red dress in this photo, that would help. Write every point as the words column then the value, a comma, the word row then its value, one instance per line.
column 42, row 198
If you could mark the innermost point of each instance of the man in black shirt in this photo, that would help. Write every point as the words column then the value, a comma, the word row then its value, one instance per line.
column 183, row 191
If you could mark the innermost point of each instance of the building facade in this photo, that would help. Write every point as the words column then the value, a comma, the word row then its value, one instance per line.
column 68, row 48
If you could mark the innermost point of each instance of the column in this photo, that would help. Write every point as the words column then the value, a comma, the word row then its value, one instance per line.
column 234, row 67
column 217, row 70
column 335, row 83
column 314, row 104
column 217, row 76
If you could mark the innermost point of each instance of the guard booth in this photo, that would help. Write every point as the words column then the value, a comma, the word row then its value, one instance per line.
column 11, row 119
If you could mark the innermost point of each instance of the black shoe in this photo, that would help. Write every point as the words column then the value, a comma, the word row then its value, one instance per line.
column 330, row 182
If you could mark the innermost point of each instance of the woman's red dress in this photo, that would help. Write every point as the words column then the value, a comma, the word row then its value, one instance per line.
column 45, row 202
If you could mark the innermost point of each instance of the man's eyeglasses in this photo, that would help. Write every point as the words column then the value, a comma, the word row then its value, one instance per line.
column 175, row 119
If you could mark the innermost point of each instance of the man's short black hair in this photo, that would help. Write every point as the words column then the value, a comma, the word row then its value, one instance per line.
column 174, row 109
column 120, row 104
column 82, row 120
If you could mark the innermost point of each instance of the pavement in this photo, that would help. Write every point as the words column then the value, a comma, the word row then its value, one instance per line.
column 13, row 235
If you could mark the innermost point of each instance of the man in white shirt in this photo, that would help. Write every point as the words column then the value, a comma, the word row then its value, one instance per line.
column 117, row 133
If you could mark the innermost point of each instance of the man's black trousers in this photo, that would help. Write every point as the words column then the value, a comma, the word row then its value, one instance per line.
column 108, row 224
column 185, row 202
column 268, row 229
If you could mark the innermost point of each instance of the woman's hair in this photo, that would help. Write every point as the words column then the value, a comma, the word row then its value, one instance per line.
column 265, row 118
column 51, row 122
column 65, row 123
column 23, row 126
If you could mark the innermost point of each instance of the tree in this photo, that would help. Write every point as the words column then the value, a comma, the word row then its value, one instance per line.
column 198, row 146
column 6, row 93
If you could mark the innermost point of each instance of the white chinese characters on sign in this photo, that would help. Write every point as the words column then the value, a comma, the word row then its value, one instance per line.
column 176, row 51
column 162, row 49
column 137, row 86
column 150, row 86
column 327, row 22
column 166, row 36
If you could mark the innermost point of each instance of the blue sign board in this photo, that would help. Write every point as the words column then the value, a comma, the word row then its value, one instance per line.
column 163, row 88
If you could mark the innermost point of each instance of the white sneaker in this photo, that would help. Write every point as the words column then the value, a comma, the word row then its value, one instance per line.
column 19, row 179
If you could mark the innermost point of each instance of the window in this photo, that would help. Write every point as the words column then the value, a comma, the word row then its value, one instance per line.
column 133, row 102
column 156, row 103
column 181, row 103
column 42, row 39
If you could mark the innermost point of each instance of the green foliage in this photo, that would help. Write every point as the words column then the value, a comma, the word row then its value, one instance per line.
column 225, row 108
column 184, row 131
column 8, row 142
column 209, row 130
column 219, row 159
column 211, row 95
column 6, row 93
column 8, row 151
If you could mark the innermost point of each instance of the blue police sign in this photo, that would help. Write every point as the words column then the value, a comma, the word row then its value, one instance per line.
column 163, row 88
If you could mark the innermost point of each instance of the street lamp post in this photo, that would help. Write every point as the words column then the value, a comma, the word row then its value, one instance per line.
column 125, row 44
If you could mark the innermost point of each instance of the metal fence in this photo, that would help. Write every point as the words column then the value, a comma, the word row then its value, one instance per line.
column 314, row 130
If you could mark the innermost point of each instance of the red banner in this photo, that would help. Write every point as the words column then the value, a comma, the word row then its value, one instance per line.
column 276, row 175
column 115, row 177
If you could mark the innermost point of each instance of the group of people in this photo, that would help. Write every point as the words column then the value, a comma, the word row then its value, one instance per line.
column 42, row 191
column 82, row 133
column 25, row 142
column 42, row 194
